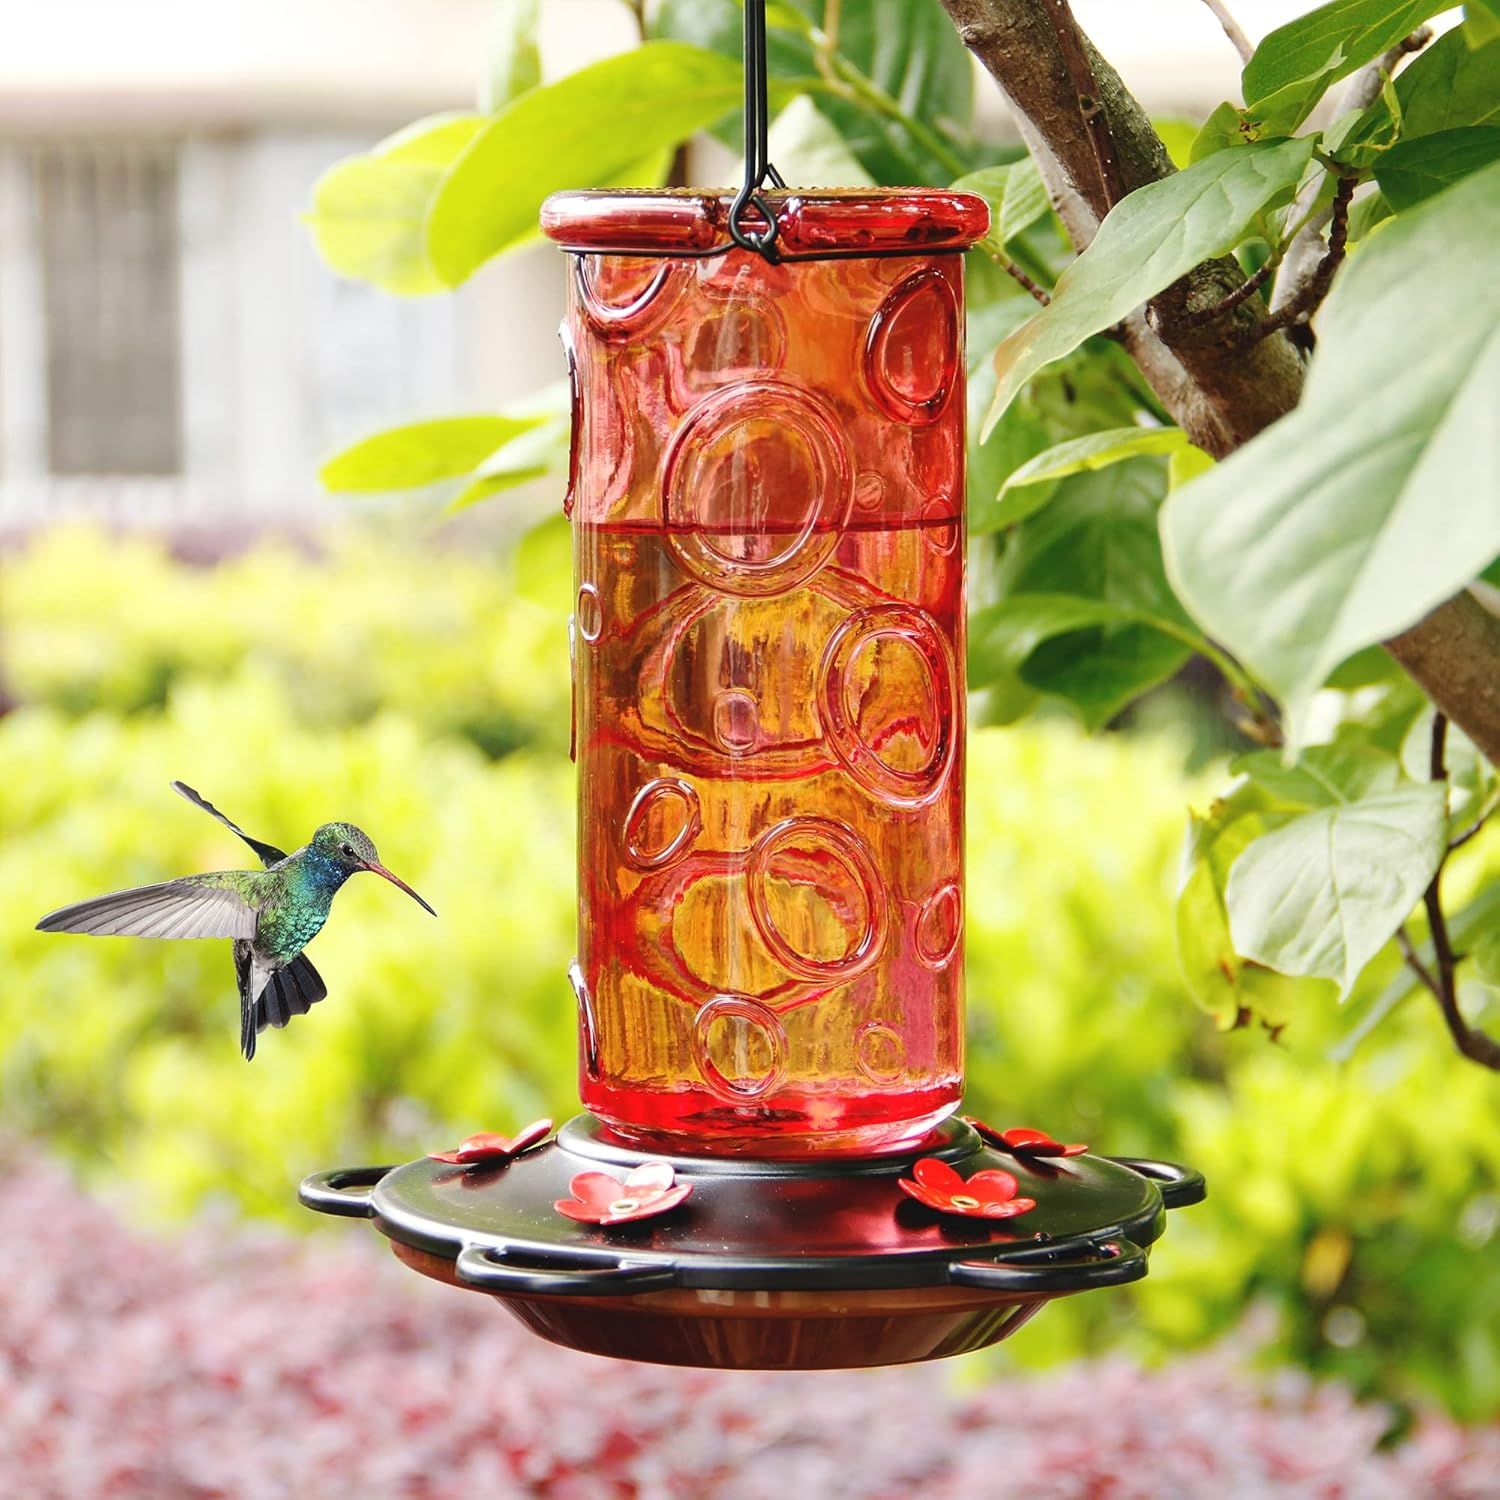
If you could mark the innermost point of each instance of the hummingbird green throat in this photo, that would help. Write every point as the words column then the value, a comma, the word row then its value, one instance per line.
column 272, row 915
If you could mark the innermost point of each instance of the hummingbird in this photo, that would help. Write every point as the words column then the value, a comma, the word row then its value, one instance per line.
column 272, row 914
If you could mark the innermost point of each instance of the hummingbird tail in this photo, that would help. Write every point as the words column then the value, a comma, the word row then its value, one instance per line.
column 292, row 991
column 243, row 964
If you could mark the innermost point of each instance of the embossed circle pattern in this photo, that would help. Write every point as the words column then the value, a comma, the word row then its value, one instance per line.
column 589, row 613
column 757, row 484
column 588, row 1025
column 912, row 349
column 736, row 721
column 941, row 524
column 816, row 898
column 940, row 923
column 880, row 1052
column 736, row 342
column 740, row 1048
column 624, row 294
column 887, row 700
column 869, row 491
column 575, row 414
column 662, row 823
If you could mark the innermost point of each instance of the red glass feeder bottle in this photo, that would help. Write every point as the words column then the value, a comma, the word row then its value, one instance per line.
column 767, row 500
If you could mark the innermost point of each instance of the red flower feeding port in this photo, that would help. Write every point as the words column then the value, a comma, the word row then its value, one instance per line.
column 767, row 500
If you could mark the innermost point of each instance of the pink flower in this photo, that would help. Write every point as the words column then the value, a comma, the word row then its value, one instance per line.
column 492, row 1149
column 1022, row 1141
column 648, row 1190
column 990, row 1194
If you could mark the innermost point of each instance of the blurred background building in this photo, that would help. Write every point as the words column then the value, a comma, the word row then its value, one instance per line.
column 171, row 349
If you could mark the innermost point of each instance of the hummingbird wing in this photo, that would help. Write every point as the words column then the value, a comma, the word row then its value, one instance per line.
column 196, row 906
column 269, row 853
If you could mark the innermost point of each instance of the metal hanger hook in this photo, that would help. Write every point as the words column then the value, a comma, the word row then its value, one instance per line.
column 758, row 168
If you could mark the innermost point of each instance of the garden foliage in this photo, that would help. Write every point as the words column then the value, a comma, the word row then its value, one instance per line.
column 1360, row 1202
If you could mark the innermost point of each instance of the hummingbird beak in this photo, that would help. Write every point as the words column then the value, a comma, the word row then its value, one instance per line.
column 396, row 880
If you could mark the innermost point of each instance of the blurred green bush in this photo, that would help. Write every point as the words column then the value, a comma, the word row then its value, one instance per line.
column 1360, row 1202
column 89, row 621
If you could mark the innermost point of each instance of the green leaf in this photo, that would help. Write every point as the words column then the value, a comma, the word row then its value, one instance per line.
column 1096, row 450
column 541, row 450
column 1414, row 170
column 809, row 151
column 1217, row 978
column 1378, row 497
column 1487, row 955
column 1481, row 23
column 421, row 453
column 1466, row 928
column 1322, row 895
column 1370, row 211
column 1449, row 85
column 1147, row 241
column 1468, row 772
column 1018, row 436
column 907, row 48
column 1094, row 542
column 1228, row 126
column 1177, row 135
column 576, row 132
column 1295, row 64
column 1002, row 636
column 368, row 211
column 1025, row 201
column 1321, row 776
column 1185, row 463
column 1015, row 193
column 514, row 65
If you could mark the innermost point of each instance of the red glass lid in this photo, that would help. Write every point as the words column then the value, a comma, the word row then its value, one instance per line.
column 831, row 223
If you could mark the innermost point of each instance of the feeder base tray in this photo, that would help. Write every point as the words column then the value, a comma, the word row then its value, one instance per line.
column 769, row 1264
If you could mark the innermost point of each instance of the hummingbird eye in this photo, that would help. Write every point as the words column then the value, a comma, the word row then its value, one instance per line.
column 345, row 849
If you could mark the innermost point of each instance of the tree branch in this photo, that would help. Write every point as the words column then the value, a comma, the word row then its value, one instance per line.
column 1231, row 28
column 1306, row 249
column 1300, row 308
column 1251, row 286
column 1473, row 1043
column 1075, row 58
column 1454, row 653
column 1220, row 391
column 1221, row 397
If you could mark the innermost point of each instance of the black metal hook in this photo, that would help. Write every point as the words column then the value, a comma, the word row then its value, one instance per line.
column 758, row 168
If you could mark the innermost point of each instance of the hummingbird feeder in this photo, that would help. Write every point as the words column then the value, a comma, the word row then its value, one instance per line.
column 767, row 502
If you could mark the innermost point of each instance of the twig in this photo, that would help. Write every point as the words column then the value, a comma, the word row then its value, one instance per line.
column 1470, row 1041
column 1242, row 293
column 1231, row 28
column 832, row 10
column 1310, row 295
column 1014, row 271
column 1474, row 829
column 1090, row 104
column 1414, row 961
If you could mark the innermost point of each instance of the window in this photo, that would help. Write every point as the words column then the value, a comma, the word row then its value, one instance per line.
column 109, row 257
